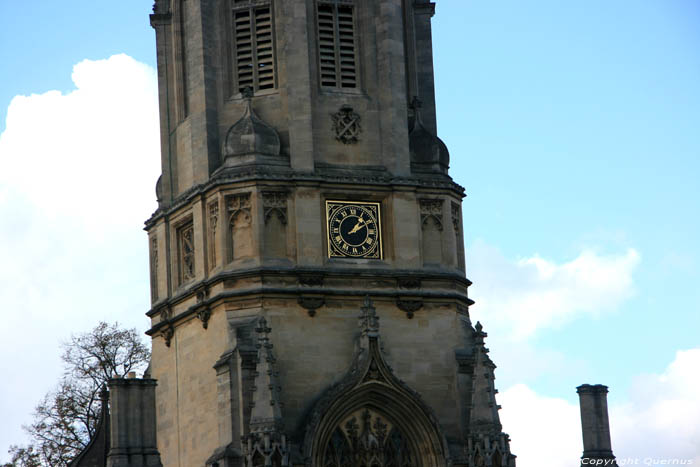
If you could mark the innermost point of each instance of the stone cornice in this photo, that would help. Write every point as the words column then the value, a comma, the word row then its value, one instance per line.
column 424, row 8
column 310, row 277
column 321, row 177
column 396, row 295
column 160, row 19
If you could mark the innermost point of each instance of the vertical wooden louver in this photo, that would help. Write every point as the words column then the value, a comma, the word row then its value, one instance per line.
column 336, row 45
column 254, row 57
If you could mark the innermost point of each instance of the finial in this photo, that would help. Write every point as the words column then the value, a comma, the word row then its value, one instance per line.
column 369, row 321
column 263, row 331
column 104, row 394
column 247, row 93
column 416, row 103
column 479, row 335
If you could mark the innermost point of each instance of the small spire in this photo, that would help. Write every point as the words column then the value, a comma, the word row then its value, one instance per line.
column 484, row 413
column 266, row 435
column 479, row 335
column 266, row 413
column 247, row 93
column 263, row 334
column 369, row 321
column 104, row 394
column 416, row 104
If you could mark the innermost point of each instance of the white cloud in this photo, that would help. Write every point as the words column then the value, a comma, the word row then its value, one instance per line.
column 544, row 431
column 77, row 177
column 520, row 297
column 91, row 154
column 660, row 421
column 662, row 418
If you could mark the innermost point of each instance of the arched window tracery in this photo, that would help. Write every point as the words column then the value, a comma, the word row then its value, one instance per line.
column 367, row 439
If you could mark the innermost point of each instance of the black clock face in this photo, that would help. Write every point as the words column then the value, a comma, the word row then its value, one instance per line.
column 354, row 229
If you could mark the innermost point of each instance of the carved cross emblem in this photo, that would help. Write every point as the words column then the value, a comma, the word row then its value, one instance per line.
column 346, row 124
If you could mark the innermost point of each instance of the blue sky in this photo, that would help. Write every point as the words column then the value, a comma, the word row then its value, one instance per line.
column 576, row 124
column 572, row 125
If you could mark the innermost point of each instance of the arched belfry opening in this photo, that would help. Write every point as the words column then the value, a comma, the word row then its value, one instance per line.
column 371, row 418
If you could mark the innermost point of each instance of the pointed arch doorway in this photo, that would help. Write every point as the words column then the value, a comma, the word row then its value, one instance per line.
column 371, row 418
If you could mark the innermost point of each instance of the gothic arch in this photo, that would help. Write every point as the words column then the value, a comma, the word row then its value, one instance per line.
column 370, row 385
column 239, row 231
column 402, row 415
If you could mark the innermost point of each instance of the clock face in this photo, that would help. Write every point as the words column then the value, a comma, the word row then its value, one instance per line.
column 354, row 229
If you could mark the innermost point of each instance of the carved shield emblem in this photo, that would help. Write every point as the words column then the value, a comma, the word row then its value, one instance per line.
column 346, row 124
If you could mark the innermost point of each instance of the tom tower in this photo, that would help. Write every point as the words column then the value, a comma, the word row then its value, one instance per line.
column 309, row 297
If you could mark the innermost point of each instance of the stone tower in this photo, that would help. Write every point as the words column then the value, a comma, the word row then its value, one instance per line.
column 303, row 187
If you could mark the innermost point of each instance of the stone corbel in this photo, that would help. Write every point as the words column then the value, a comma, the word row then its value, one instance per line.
column 202, row 293
column 204, row 313
column 408, row 282
column 168, row 332
column 311, row 280
column 409, row 306
column 311, row 303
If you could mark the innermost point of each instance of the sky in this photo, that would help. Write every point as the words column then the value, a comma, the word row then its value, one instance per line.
column 572, row 125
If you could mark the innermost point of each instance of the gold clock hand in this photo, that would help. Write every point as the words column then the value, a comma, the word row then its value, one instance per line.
column 358, row 226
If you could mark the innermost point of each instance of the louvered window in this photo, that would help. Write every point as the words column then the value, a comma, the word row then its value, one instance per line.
column 336, row 44
column 253, row 45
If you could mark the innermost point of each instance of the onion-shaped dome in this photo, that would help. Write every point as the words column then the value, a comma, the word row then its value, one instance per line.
column 428, row 152
column 251, row 135
column 159, row 188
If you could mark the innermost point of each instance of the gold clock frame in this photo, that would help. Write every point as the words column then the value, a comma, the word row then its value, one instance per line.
column 375, row 204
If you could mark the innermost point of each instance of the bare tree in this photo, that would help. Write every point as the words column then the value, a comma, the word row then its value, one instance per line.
column 66, row 418
column 23, row 457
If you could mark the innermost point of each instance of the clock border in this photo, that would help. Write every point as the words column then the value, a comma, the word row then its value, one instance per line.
column 379, row 228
